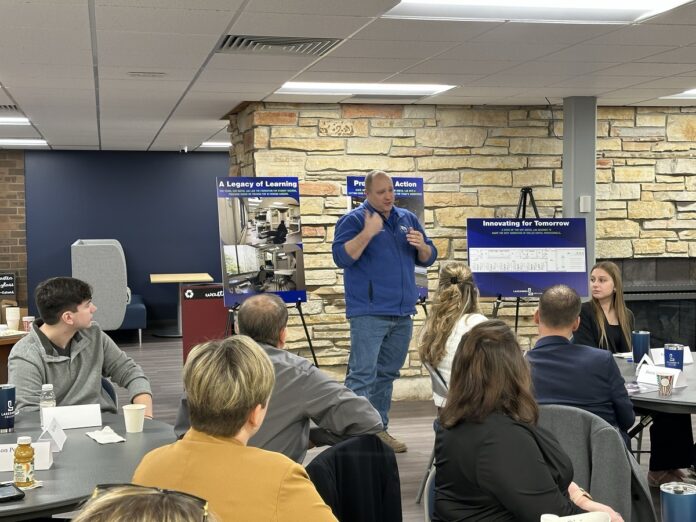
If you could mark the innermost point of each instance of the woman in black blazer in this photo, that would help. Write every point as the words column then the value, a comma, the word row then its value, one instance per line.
column 493, row 462
column 606, row 322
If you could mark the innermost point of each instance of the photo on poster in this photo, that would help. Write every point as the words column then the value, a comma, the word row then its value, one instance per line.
column 260, row 238
column 408, row 194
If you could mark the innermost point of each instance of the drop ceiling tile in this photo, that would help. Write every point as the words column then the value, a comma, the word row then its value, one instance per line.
column 383, row 65
column 258, row 62
column 528, row 80
column 605, row 53
column 481, row 67
column 170, row 73
column 443, row 99
column 673, row 82
column 302, row 98
column 684, row 15
column 334, row 76
column 130, row 49
column 424, row 30
column 148, row 19
column 68, row 15
column 558, row 68
column 18, row 131
column 243, row 76
column 515, row 33
column 441, row 78
column 648, row 35
column 324, row 7
column 389, row 49
column 233, row 87
column 651, row 70
column 492, row 92
column 681, row 55
column 637, row 92
column 214, row 5
column 306, row 25
column 600, row 81
column 499, row 51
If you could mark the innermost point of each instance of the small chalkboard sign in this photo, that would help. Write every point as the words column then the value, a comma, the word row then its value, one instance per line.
column 8, row 284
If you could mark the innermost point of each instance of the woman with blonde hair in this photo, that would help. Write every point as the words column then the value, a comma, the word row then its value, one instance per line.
column 455, row 310
column 228, row 384
column 493, row 462
column 606, row 322
column 131, row 503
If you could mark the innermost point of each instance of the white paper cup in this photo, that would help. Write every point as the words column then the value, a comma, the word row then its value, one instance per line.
column 27, row 321
column 665, row 383
column 12, row 315
column 134, row 414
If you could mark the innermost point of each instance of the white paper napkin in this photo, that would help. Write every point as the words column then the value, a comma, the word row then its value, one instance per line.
column 105, row 436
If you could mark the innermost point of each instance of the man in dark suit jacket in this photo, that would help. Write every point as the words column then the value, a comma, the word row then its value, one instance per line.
column 574, row 374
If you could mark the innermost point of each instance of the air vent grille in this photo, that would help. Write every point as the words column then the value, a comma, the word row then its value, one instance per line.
column 9, row 110
column 277, row 45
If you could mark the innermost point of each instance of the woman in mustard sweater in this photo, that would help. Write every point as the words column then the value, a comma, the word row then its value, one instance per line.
column 228, row 383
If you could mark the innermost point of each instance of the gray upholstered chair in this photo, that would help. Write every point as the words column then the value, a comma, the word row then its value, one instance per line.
column 102, row 264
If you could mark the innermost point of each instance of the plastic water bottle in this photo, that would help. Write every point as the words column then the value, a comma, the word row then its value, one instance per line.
column 47, row 399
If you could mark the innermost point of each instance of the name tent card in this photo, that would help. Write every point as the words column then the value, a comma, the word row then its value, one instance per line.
column 658, row 355
column 55, row 435
column 43, row 456
column 69, row 417
column 648, row 375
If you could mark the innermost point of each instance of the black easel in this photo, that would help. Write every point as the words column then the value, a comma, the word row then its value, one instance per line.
column 298, row 305
column 526, row 195
column 231, row 318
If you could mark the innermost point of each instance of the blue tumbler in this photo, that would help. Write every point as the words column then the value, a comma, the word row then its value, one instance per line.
column 678, row 501
column 641, row 344
column 7, row 408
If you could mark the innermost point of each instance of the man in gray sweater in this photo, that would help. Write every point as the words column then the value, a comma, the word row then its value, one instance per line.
column 302, row 393
column 66, row 349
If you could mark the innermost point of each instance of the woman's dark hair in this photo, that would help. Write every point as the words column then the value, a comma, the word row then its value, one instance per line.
column 489, row 374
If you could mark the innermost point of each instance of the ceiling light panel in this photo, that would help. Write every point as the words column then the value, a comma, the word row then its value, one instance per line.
column 362, row 88
column 546, row 11
column 13, row 120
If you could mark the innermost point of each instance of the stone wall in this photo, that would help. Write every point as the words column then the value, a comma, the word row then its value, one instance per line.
column 13, row 235
column 474, row 161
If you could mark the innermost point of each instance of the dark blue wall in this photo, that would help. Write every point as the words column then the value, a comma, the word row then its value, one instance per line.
column 161, row 206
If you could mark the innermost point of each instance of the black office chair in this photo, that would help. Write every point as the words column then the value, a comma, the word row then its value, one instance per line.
column 109, row 389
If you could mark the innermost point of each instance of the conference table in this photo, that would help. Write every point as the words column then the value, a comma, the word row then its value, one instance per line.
column 180, row 279
column 81, row 465
column 682, row 400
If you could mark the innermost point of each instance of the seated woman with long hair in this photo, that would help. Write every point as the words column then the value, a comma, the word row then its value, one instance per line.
column 455, row 310
column 493, row 462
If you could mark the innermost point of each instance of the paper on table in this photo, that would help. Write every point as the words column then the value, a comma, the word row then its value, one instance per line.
column 658, row 355
column 648, row 375
column 55, row 435
column 82, row 416
column 105, row 436
column 624, row 355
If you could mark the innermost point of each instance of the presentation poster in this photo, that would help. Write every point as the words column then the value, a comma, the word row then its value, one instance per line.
column 408, row 194
column 260, row 238
column 523, row 257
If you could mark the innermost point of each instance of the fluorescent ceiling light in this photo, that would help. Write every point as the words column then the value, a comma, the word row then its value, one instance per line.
column 19, row 142
column 545, row 11
column 686, row 95
column 348, row 89
column 13, row 120
column 216, row 144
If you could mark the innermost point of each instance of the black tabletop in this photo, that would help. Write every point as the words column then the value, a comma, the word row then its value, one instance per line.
column 81, row 465
column 682, row 400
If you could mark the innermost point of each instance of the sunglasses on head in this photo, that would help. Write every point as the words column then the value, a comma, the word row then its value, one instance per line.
column 102, row 488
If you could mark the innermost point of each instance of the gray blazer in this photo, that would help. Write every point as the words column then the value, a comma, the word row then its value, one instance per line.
column 602, row 463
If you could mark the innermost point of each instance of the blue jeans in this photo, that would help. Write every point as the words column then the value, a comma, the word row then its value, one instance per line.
column 378, row 348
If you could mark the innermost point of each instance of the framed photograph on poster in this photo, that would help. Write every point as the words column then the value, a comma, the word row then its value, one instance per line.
column 523, row 257
column 408, row 194
column 260, row 238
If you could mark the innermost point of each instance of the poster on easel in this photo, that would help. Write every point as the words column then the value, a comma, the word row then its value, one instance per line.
column 523, row 257
column 260, row 238
column 408, row 194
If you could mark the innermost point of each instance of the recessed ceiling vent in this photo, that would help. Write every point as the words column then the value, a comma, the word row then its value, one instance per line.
column 277, row 45
column 9, row 110
column 146, row 74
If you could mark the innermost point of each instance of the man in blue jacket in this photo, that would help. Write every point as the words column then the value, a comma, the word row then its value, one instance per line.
column 378, row 245
column 574, row 374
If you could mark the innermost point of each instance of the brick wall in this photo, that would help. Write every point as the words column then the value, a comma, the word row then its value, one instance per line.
column 13, row 235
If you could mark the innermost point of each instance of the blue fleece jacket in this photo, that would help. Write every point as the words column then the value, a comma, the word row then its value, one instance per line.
column 382, row 280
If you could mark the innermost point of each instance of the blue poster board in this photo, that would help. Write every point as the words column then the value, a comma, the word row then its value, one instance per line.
column 408, row 194
column 260, row 238
column 523, row 257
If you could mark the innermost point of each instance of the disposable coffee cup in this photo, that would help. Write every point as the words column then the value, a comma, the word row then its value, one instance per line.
column 674, row 356
column 27, row 321
column 641, row 344
column 665, row 383
column 134, row 415
column 12, row 316
column 7, row 408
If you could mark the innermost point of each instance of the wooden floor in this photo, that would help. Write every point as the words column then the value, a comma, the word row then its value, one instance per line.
column 161, row 359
